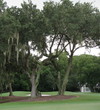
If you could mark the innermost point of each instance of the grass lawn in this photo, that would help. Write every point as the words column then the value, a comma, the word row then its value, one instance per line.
column 17, row 93
column 85, row 101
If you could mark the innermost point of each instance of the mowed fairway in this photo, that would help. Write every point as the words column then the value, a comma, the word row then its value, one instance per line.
column 85, row 101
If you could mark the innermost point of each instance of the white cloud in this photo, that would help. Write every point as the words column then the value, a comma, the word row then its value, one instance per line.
column 92, row 51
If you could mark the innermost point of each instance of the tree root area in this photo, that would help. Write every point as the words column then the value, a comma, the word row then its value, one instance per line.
column 6, row 99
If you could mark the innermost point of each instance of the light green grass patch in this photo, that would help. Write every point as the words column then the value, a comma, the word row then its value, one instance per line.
column 85, row 101
column 16, row 93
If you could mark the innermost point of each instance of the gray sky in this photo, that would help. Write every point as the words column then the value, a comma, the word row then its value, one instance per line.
column 39, row 3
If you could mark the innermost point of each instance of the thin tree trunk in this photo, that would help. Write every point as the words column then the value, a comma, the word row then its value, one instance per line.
column 10, row 90
column 59, row 83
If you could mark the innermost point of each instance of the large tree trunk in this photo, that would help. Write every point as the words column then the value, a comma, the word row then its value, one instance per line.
column 10, row 90
column 34, row 82
column 65, row 80
column 33, row 88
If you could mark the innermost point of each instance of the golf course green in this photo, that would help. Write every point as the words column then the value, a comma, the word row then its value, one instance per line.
column 84, row 101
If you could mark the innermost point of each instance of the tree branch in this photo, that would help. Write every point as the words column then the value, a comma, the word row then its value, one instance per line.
column 52, row 43
column 64, row 48
column 79, row 47
column 59, row 44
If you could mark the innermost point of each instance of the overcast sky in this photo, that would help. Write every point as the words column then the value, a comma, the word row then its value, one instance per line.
column 39, row 3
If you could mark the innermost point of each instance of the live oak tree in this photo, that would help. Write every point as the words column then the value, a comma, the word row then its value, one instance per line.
column 22, row 31
column 31, row 38
column 3, row 42
column 70, row 27
column 2, row 8
column 9, row 43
